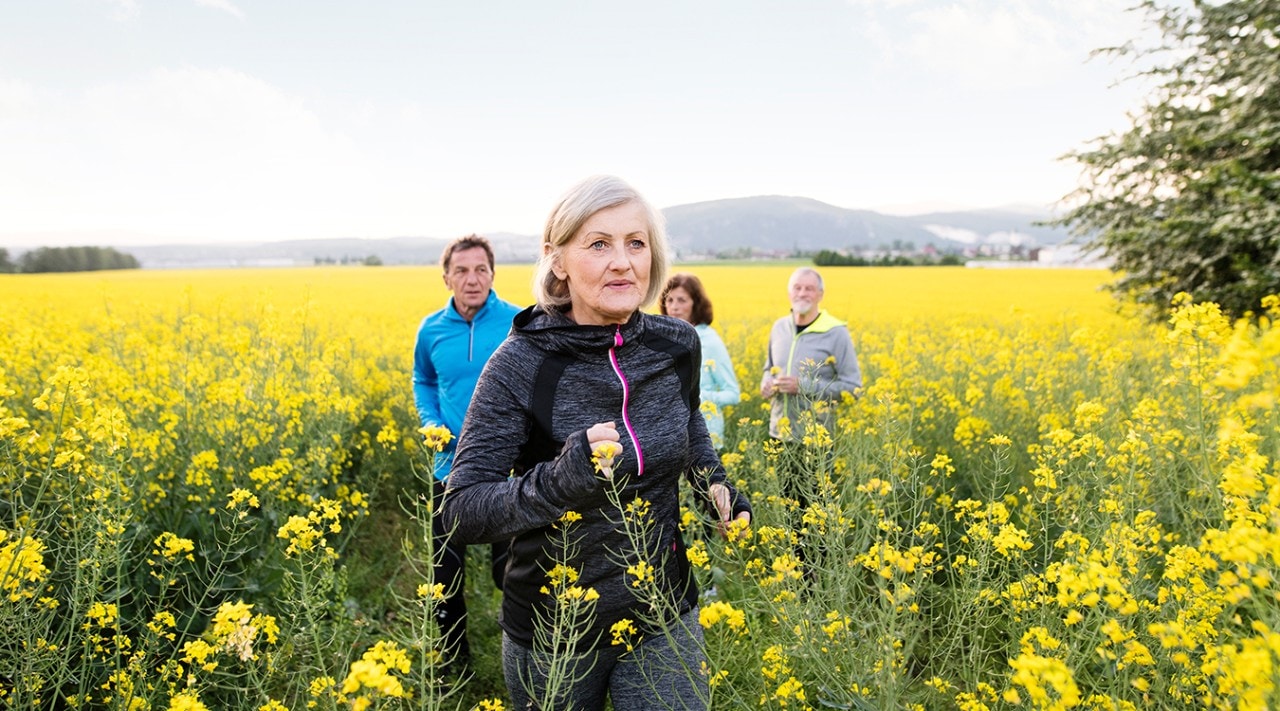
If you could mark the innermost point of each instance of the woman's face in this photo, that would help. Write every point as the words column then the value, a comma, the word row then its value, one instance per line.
column 679, row 304
column 606, row 265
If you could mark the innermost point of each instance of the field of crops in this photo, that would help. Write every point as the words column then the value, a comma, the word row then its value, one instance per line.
column 208, row 499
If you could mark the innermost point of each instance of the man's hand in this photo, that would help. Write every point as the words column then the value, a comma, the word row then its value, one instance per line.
column 786, row 384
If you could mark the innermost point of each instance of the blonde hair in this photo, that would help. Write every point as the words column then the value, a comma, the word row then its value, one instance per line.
column 574, row 208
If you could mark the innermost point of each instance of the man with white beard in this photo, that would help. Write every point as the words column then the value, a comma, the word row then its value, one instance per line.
column 811, row 359
column 810, row 365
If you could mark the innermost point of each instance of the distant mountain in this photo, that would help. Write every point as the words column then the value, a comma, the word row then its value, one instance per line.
column 782, row 223
column 507, row 248
column 770, row 224
column 791, row 223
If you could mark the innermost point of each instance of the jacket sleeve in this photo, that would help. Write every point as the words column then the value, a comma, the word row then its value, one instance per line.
column 426, row 382
column 723, row 386
column 847, row 374
column 767, row 377
column 705, row 467
column 483, row 502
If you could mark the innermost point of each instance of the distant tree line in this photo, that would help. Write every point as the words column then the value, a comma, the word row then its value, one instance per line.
column 372, row 260
column 829, row 258
column 67, row 259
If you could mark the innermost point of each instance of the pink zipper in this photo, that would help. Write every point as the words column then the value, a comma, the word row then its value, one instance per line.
column 626, row 397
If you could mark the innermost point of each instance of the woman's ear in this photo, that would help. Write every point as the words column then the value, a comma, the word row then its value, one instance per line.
column 549, row 251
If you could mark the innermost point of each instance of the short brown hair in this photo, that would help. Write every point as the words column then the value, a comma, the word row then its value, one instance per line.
column 701, row 312
column 462, row 244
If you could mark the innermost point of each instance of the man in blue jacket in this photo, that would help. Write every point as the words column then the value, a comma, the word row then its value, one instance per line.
column 453, row 346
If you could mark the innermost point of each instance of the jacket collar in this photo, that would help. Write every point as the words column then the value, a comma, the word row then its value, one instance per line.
column 555, row 331
column 825, row 322
column 452, row 310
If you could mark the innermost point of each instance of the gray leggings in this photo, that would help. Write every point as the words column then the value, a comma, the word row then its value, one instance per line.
column 663, row 672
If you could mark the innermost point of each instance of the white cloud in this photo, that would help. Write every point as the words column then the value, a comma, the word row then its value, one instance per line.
column 994, row 44
column 15, row 97
column 127, row 9
column 184, row 153
column 223, row 5
column 124, row 9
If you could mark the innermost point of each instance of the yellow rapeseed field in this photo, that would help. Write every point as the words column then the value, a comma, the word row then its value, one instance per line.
column 208, row 499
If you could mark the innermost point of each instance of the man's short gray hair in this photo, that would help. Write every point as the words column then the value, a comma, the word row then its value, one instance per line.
column 801, row 272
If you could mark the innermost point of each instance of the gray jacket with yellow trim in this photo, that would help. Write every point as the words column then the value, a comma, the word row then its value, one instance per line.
column 823, row 357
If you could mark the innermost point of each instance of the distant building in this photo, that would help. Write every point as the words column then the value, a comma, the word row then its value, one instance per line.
column 1072, row 255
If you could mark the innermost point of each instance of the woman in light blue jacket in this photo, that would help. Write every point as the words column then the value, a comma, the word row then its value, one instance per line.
column 684, row 298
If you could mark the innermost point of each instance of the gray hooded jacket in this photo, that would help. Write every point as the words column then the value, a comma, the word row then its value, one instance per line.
column 523, row 461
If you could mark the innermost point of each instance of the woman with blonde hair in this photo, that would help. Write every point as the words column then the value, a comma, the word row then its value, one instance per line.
column 591, row 405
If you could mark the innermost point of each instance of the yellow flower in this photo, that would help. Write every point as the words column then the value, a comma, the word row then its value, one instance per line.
column 241, row 497
column 22, row 567
column 697, row 555
column 434, row 591
column 836, row 624
column 719, row 611
column 638, row 509
column 102, row 613
column 435, row 437
column 236, row 629
column 321, row 686
column 161, row 623
column 373, row 672
column 624, row 632
column 603, row 455
column 574, row 593
column 642, row 572
column 186, row 701
column 562, row 575
column 171, row 546
column 199, row 652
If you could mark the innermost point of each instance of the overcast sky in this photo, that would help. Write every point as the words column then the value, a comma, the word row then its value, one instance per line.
column 134, row 121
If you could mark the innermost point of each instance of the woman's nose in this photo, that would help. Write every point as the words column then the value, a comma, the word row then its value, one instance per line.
column 618, row 259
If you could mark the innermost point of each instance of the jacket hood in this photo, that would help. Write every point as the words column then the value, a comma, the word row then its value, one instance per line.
column 825, row 322
column 555, row 332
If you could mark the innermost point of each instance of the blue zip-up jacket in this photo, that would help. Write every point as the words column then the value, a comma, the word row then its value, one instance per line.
column 447, row 359
column 719, row 383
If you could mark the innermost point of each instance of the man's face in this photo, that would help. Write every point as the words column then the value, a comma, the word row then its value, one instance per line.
column 805, row 294
column 469, row 278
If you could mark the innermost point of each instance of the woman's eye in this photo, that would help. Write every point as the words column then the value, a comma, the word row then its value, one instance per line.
column 637, row 244
column 598, row 244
